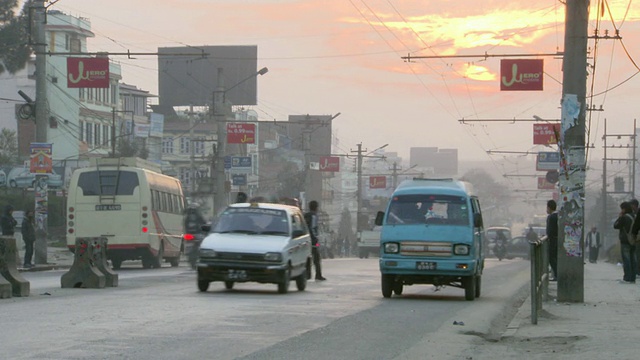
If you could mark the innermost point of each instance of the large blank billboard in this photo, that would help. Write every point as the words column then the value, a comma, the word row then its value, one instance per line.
column 189, row 75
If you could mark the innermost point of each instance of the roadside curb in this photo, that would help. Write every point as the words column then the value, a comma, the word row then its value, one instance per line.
column 46, row 267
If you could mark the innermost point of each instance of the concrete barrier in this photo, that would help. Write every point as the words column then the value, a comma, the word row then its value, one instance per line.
column 100, row 259
column 84, row 272
column 8, row 269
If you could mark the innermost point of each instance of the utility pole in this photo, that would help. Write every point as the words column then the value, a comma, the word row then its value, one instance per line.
column 219, row 116
column 394, row 181
column 42, row 116
column 572, row 150
column 192, row 157
column 359, row 188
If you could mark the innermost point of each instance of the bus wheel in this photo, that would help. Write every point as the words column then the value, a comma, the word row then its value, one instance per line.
column 147, row 262
column 228, row 285
column 387, row 285
column 174, row 261
column 116, row 263
column 157, row 261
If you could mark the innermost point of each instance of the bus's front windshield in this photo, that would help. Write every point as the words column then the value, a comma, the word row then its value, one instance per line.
column 428, row 209
column 253, row 221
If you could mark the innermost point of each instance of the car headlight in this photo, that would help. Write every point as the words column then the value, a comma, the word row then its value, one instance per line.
column 461, row 249
column 273, row 256
column 210, row 253
column 391, row 248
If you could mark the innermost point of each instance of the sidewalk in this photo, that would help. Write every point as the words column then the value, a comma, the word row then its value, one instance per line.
column 604, row 326
column 57, row 258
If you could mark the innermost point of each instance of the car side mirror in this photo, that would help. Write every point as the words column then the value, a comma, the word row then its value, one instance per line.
column 298, row 233
column 477, row 220
column 379, row 218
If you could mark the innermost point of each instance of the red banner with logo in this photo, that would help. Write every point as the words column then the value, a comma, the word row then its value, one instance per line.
column 241, row 133
column 329, row 163
column 521, row 74
column 545, row 134
column 87, row 72
column 377, row 182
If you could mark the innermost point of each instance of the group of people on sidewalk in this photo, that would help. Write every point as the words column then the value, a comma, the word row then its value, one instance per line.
column 629, row 226
column 28, row 229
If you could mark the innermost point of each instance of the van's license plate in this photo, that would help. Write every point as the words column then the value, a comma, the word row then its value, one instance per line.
column 236, row 274
column 426, row 265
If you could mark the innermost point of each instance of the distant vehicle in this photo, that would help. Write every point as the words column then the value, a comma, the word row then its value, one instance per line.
column 368, row 242
column 138, row 210
column 518, row 247
column 24, row 178
column 256, row 242
column 492, row 233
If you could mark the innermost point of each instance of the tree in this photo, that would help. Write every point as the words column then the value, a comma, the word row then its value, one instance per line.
column 15, row 49
column 493, row 196
column 8, row 147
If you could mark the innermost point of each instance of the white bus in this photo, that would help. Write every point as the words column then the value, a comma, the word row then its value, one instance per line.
column 138, row 210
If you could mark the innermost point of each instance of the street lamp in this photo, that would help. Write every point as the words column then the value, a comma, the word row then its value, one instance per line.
column 220, row 117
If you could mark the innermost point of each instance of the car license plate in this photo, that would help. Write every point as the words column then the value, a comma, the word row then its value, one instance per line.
column 426, row 265
column 236, row 274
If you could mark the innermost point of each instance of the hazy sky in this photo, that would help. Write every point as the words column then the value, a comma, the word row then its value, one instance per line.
column 344, row 56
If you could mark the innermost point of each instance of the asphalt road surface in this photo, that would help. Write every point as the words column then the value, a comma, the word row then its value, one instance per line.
column 160, row 314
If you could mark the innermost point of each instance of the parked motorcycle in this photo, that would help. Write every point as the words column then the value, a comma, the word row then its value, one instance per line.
column 192, row 247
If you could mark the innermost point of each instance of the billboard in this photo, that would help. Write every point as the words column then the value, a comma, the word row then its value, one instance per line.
column 241, row 133
column 329, row 163
column 87, row 72
column 377, row 182
column 521, row 74
column 545, row 134
column 189, row 75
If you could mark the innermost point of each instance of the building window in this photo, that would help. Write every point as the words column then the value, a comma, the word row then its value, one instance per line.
column 198, row 146
column 113, row 93
column 81, row 94
column 184, row 145
column 167, row 145
column 88, row 133
column 96, row 130
column 81, row 130
column 106, row 130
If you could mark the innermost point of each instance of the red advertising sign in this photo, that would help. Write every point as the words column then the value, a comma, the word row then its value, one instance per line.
column 87, row 72
column 241, row 133
column 377, row 182
column 545, row 134
column 543, row 184
column 329, row 163
column 521, row 74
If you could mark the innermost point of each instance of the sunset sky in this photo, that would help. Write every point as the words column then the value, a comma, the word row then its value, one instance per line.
column 344, row 56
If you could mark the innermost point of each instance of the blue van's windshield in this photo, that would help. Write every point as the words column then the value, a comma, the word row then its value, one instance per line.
column 428, row 209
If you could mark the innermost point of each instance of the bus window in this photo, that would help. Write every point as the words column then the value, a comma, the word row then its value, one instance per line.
column 93, row 182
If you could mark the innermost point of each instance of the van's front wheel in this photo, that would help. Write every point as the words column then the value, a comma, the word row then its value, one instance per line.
column 469, row 284
column 387, row 285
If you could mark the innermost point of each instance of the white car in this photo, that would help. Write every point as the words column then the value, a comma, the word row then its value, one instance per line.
column 24, row 178
column 257, row 242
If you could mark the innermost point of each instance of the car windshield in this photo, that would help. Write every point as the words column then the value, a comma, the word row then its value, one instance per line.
column 253, row 221
column 428, row 209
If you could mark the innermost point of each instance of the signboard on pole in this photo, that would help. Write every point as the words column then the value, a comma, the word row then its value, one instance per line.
column 548, row 161
column 240, row 164
column 329, row 163
column 521, row 74
column 546, row 134
column 377, row 182
column 241, row 133
column 239, row 179
column 88, row 72
column 40, row 161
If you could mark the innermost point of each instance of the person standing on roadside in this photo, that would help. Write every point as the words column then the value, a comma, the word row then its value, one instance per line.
column 28, row 236
column 593, row 243
column 7, row 221
column 635, row 227
column 311, row 218
column 627, row 251
column 552, row 236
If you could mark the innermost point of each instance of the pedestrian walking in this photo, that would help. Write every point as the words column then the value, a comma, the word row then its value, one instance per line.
column 7, row 221
column 552, row 236
column 593, row 243
column 627, row 251
column 311, row 217
column 28, row 236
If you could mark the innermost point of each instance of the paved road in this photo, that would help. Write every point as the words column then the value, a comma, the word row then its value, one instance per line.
column 157, row 314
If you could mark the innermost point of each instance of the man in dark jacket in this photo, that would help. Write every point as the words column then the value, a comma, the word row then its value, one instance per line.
column 624, row 223
column 311, row 218
column 28, row 236
column 7, row 221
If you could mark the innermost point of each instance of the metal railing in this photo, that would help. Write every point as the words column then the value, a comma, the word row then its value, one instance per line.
column 539, row 275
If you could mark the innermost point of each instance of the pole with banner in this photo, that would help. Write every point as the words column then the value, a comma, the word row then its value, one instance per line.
column 41, row 164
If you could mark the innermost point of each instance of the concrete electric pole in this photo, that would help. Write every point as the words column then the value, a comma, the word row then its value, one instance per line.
column 572, row 151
